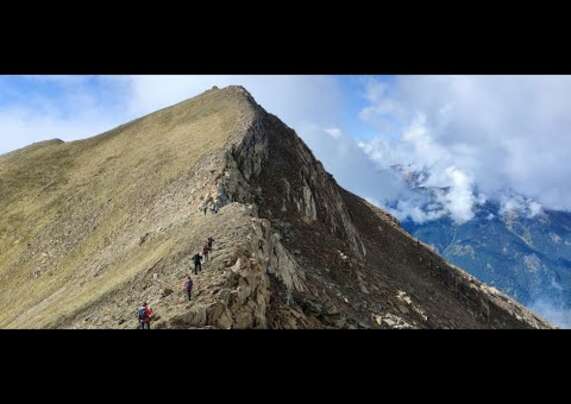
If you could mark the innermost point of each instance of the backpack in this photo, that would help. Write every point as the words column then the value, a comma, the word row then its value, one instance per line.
column 141, row 313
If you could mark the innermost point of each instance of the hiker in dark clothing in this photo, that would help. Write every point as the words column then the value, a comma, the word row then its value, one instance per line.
column 188, row 287
column 205, row 252
column 210, row 241
column 197, row 263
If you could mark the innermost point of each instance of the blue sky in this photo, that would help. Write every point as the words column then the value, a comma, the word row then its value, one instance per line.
column 484, row 133
column 29, row 90
column 355, row 101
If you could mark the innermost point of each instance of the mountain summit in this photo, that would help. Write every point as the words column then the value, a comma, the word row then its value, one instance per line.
column 90, row 229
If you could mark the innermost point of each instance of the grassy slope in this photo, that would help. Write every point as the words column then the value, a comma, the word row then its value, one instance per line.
column 63, row 203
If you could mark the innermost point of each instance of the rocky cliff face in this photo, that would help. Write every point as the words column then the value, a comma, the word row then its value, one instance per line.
column 292, row 249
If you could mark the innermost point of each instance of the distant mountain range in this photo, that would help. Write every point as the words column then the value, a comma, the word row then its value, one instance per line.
column 526, row 256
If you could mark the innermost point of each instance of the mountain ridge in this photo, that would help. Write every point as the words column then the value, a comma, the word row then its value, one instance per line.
column 120, row 215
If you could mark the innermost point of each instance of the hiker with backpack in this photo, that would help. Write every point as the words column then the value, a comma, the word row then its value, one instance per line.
column 210, row 241
column 188, row 287
column 144, row 314
column 197, row 263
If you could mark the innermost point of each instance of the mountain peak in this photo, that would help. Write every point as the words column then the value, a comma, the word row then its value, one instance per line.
column 232, row 91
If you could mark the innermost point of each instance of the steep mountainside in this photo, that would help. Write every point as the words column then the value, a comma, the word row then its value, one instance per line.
column 89, row 229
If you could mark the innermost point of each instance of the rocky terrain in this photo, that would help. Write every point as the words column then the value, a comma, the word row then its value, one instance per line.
column 92, row 228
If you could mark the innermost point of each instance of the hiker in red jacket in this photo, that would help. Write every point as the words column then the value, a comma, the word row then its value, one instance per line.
column 145, row 313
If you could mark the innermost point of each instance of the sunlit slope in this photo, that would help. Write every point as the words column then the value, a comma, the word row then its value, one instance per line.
column 73, row 214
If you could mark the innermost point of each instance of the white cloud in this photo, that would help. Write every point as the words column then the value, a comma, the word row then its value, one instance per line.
column 414, row 209
column 416, row 148
column 501, row 132
column 534, row 208
column 517, row 204
column 335, row 133
column 460, row 200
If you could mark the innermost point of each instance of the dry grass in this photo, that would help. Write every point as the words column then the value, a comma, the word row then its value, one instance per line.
column 85, row 203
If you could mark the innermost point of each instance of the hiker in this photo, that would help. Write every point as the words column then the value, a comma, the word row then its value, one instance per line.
column 188, row 287
column 144, row 314
column 197, row 263
column 210, row 241
column 205, row 209
column 205, row 252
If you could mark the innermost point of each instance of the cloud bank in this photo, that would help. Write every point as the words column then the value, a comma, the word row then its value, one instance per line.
column 493, row 133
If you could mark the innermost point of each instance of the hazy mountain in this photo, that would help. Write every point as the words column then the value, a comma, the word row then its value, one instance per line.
column 528, row 256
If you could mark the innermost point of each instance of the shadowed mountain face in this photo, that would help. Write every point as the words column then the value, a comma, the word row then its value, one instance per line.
column 92, row 228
